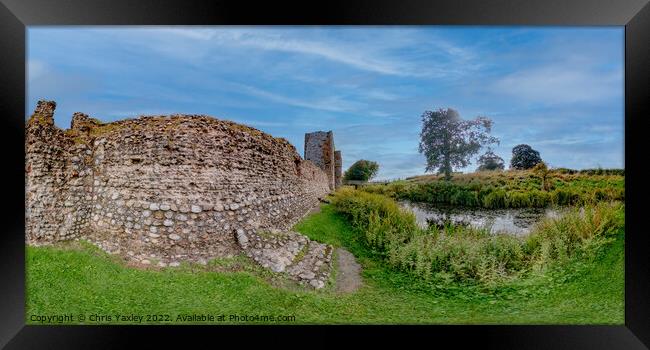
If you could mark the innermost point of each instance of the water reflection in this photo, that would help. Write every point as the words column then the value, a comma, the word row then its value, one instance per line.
column 513, row 221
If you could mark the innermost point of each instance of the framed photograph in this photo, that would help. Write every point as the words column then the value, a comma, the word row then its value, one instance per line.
column 460, row 171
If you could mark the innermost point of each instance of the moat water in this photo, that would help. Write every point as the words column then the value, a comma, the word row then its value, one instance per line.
column 512, row 221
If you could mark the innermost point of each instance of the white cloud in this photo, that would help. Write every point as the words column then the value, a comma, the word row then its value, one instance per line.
column 35, row 69
column 273, row 40
column 380, row 114
column 382, row 95
column 384, row 57
column 329, row 103
column 575, row 140
column 561, row 84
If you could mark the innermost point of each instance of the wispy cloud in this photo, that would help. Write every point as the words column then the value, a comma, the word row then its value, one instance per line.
column 561, row 83
column 35, row 69
column 344, row 54
column 329, row 103
column 384, row 57
column 570, row 140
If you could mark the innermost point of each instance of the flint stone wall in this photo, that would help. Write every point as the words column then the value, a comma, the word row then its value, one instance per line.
column 172, row 188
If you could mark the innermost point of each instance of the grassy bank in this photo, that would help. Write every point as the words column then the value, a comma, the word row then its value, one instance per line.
column 79, row 279
column 508, row 189
column 462, row 254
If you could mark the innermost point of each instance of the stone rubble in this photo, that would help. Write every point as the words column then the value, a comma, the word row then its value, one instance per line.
column 304, row 260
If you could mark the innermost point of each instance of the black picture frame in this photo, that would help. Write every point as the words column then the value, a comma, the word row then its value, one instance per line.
column 16, row 15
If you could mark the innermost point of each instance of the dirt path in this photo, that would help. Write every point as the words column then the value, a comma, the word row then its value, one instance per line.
column 348, row 278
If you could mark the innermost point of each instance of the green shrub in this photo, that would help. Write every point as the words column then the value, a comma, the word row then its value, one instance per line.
column 495, row 199
column 466, row 255
column 470, row 255
column 383, row 222
column 519, row 189
column 466, row 198
column 557, row 239
column 517, row 199
column 563, row 196
column 601, row 171
column 598, row 195
column 539, row 199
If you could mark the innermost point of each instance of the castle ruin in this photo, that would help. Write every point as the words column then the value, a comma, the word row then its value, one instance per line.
column 338, row 168
column 164, row 189
column 319, row 148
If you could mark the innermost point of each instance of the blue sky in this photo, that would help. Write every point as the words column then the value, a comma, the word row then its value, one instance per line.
column 558, row 89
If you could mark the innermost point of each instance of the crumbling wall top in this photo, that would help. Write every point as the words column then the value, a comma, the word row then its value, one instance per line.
column 45, row 108
column 43, row 114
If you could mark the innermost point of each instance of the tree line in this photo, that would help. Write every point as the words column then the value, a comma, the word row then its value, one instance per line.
column 447, row 141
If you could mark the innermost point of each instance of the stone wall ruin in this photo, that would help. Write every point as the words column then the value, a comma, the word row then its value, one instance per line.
column 338, row 169
column 164, row 189
column 319, row 148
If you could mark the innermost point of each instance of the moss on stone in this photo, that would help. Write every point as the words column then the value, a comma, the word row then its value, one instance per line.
column 301, row 254
column 39, row 120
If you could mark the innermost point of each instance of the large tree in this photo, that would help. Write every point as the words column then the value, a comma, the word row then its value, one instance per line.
column 362, row 170
column 447, row 141
column 490, row 161
column 524, row 157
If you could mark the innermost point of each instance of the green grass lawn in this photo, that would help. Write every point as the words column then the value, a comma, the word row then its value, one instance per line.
column 79, row 279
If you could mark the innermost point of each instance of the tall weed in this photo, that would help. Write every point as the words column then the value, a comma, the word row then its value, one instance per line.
column 470, row 255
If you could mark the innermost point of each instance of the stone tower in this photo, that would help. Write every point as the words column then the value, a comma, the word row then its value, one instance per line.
column 319, row 149
column 338, row 165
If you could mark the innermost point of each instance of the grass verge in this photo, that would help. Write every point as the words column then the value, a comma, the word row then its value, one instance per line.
column 80, row 279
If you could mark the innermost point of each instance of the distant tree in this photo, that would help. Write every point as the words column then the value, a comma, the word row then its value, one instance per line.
column 447, row 141
column 362, row 170
column 524, row 157
column 490, row 161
